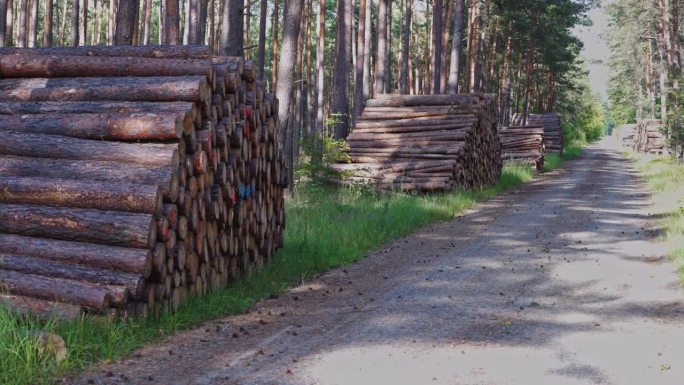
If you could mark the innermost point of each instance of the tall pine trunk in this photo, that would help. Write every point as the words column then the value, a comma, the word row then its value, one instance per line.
column 83, row 22
column 75, row 22
column 47, row 24
column 456, row 43
column 339, row 105
column 291, row 27
column 320, row 69
column 367, row 49
column 405, row 46
column 360, row 60
column 436, row 66
column 381, row 54
column 125, row 22
column 274, row 66
column 232, row 30
column 261, row 52
column 3, row 22
column 33, row 23
column 171, row 30
column 22, row 40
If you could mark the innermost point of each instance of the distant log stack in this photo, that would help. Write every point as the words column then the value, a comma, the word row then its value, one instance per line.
column 131, row 177
column 523, row 145
column 425, row 143
column 626, row 134
column 648, row 138
column 553, row 129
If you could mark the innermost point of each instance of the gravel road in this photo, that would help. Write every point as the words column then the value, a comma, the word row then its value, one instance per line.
column 557, row 282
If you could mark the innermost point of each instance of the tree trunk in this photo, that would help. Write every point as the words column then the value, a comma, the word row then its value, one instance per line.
column 47, row 26
column 529, row 63
column 4, row 10
column 125, row 22
column 447, row 24
column 367, row 49
column 360, row 59
column 339, row 105
column 405, row 57
column 22, row 40
column 33, row 23
column 232, row 30
column 291, row 26
column 111, row 26
column 83, row 22
column 320, row 69
column 171, row 22
column 381, row 54
column 147, row 22
column 261, row 53
column 456, row 43
column 63, row 23
column 274, row 67
column 75, row 22
column 436, row 65
column 388, row 59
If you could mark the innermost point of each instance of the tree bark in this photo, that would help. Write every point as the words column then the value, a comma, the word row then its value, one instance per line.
column 112, row 17
column 274, row 67
column 126, row 197
column 59, row 147
column 405, row 46
column 115, row 126
column 83, row 22
column 320, row 69
column 456, row 46
column 339, row 106
column 436, row 65
column 529, row 60
column 22, row 17
column 171, row 22
column 125, row 22
column 75, row 22
column 147, row 22
column 291, row 27
column 381, row 54
column 232, row 31
column 3, row 22
column 360, row 51
column 47, row 27
column 33, row 23
column 123, row 259
column 73, row 224
column 98, row 171
column 367, row 51
column 261, row 52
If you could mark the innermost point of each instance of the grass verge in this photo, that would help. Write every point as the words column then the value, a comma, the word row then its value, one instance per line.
column 554, row 161
column 326, row 228
column 665, row 178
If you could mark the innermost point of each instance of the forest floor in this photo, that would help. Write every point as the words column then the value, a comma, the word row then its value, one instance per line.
column 559, row 281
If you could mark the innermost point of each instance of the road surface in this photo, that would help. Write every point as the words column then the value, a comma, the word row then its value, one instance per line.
column 557, row 282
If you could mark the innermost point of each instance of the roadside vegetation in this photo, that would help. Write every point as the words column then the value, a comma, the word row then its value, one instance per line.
column 327, row 228
column 665, row 178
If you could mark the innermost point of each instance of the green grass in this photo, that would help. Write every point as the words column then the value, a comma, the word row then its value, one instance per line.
column 665, row 178
column 554, row 161
column 326, row 228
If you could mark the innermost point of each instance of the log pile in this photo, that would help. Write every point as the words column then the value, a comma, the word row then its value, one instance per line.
column 553, row 129
column 648, row 138
column 131, row 177
column 425, row 143
column 523, row 145
column 626, row 134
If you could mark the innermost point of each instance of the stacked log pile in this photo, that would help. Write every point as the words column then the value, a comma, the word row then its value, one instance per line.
column 553, row 129
column 524, row 145
column 626, row 134
column 131, row 177
column 425, row 143
column 648, row 137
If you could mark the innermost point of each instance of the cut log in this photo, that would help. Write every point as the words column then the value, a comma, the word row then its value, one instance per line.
column 99, row 171
column 101, row 107
column 116, row 126
column 150, row 89
column 123, row 259
column 97, row 226
column 87, row 195
column 93, row 296
column 42, row 309
column 52, row 146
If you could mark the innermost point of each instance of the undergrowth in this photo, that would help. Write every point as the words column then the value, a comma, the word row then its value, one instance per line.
column 326, row 228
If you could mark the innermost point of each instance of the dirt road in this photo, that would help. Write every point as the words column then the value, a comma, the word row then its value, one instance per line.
column 557, row 282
